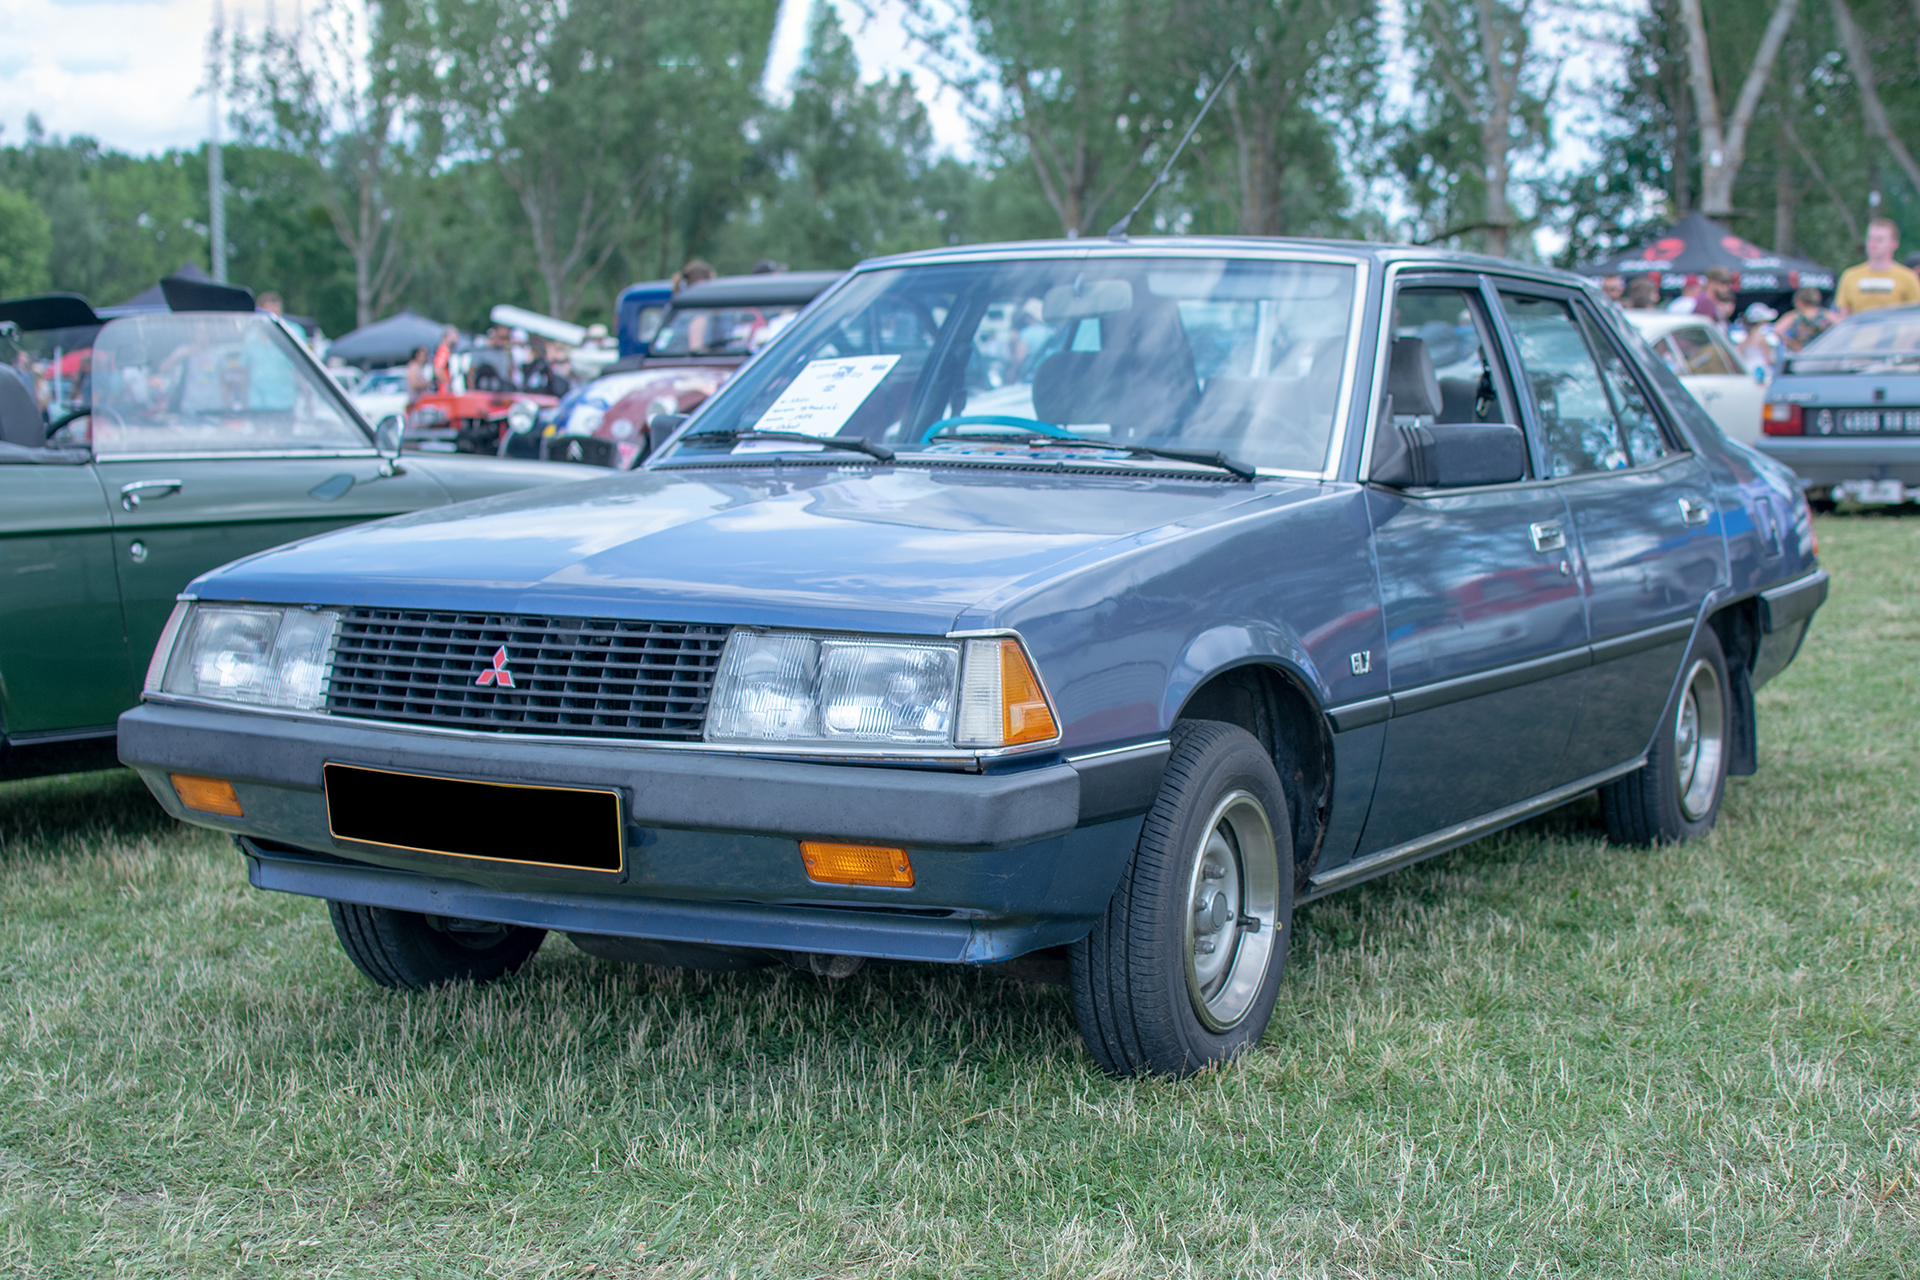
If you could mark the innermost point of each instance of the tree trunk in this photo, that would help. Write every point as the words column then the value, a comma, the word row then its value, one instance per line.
column 1785, row 197
column 1870, row 105
column 1723, row 140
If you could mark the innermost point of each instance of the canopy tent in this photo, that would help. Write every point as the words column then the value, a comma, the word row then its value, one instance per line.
column 389, row 341
column 1695, row 243
column 154, row 299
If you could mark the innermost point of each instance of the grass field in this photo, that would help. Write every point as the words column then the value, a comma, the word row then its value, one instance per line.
column 1538, row 1055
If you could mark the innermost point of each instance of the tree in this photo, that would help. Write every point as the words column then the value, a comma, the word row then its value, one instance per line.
column 595, row 113
column 333, row 91
column 26, row 239
column 1871, row 107
column 1723, row 138
column 1490, row 105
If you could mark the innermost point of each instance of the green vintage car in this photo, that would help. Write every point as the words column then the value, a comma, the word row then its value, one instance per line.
column 199, row 436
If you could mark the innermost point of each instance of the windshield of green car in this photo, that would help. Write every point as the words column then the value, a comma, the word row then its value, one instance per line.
column 1244, row 357
column 208, row 383
column 720, row 331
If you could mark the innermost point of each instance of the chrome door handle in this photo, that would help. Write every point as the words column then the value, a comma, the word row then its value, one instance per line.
column 131, row 494
column 1548, row 536
column 1693, row 511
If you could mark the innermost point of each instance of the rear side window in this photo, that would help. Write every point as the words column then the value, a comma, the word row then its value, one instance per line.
column 1576, row 412
column 1640, row 427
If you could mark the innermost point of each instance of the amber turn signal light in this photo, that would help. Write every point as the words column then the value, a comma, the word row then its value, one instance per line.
column 1025, row 716
column 870, row 864
column 207, row 795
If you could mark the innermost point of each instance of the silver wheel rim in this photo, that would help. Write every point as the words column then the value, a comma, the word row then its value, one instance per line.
column 1698, row 729
column 1232, row 904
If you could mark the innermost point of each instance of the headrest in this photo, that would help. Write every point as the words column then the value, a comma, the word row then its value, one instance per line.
column 1411, row 381
column 20, row 420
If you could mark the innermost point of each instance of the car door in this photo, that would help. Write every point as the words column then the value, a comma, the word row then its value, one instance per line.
column 1712, row 370
column 1643, row 516
column 215, row 438
column 1486, row 629
column 64, row 662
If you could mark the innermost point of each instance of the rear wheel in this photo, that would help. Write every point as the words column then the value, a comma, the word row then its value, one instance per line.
column 410, row 951
column 1183, row 969
column 1676, row 795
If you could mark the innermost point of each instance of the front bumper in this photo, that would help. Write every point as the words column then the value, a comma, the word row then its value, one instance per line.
column 1004, row 862
column 1823, row 461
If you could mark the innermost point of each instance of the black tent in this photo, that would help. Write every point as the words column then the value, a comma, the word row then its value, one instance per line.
column 389, row 341
column 1695, row 243
column 153, row 299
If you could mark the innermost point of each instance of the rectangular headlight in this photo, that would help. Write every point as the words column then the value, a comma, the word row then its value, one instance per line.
column 260, row 655
column 850, row 691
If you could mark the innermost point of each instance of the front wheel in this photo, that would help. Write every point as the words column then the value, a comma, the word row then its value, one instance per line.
column 1183, row 969
column 1676, row 795
column 411, row 951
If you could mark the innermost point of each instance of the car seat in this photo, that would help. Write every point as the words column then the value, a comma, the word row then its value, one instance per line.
column 20, row 420
column 1139, row 383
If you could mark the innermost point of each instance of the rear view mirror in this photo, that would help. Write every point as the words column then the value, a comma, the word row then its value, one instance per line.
column 1449, row 457
column 1083, row 298
column 387, row 435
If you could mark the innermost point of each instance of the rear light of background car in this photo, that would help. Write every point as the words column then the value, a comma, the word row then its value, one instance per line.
column 1782, row 419
column 881, row 866
column 206, row 795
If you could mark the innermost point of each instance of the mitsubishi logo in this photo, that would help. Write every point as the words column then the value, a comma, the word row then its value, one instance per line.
column 497, row 673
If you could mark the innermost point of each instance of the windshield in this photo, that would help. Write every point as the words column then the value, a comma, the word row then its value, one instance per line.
column 1240, row 357
column 209, row 383
column 719, row 331
column 1872, row 338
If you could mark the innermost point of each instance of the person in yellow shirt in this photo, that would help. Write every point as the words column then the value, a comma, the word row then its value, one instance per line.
column 1879, row 281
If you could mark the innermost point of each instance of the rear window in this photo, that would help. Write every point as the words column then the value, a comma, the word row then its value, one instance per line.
column 1863, row 343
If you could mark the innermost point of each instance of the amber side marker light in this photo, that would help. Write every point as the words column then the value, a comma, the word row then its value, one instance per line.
column 207, row 795
column 869, row 864
column 1025, row 716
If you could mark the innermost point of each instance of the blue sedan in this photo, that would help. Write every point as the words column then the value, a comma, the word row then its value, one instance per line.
column 1092, row 603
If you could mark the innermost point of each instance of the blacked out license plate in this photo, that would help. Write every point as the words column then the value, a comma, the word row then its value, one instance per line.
column 497, row 821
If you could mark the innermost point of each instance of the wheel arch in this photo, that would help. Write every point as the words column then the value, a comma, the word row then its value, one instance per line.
column 1273, row 701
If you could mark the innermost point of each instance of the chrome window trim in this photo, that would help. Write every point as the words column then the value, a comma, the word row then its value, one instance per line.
column 240, row 454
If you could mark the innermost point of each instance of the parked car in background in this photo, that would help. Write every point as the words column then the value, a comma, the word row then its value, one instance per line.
column 380, row 393
column 637, row 314
column 1708, row 366
column 207, row 437
column 1845, row 412
column 707, row 332
column 1231, row 602
column 480, row 411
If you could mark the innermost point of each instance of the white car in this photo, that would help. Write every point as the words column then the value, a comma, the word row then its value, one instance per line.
column 1707, row 365
column 381, row 392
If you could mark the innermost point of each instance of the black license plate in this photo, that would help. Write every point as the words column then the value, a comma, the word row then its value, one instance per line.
column 497, row 821
column 1854, row 421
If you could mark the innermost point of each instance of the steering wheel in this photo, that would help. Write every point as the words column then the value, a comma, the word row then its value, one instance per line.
column 1033, row 425
column 55, row 426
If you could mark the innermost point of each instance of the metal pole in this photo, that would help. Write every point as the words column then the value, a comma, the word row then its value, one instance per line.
column 216, row 176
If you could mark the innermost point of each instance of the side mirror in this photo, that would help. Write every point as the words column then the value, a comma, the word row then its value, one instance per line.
column 1449, row 457
column 387, row 435
column 662, row 425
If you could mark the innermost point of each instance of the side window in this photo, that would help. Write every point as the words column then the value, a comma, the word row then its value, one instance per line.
column 1576, row 413
column 1448, row 323
column 1639, row 425
column 1699, row 353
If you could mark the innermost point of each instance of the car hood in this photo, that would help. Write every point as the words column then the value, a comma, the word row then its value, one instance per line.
column 899, row 549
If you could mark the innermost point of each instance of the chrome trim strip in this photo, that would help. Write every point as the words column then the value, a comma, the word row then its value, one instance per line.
column 1400, row 855
column 1358, row 715
column 47, row 737
column 214, row 455
column 1138, row 748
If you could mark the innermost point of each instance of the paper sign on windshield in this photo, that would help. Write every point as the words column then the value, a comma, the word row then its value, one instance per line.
column 820, row 400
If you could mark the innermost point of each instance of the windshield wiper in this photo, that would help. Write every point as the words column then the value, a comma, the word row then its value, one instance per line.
column 853, row 444
column 1203, row 457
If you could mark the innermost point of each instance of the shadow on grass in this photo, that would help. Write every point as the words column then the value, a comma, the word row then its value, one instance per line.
column 38, row 815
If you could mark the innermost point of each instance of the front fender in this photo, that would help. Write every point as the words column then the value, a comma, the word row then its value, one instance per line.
column 1221, row 648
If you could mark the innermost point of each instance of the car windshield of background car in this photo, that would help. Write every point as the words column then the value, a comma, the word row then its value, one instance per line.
column 210, row 383
column 719, row 331
column 1243, row 357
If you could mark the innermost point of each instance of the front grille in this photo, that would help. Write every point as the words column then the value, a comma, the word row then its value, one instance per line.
column 586, row 677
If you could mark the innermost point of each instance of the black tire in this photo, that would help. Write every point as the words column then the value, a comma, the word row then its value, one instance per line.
column 413, row 952
column 1676, row 795
column 1141, row 986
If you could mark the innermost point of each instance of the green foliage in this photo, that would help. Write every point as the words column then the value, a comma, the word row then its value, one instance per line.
column 25, row 240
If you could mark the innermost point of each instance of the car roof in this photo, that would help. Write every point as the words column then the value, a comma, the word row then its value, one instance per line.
column 1233, row 246
column 768, row 287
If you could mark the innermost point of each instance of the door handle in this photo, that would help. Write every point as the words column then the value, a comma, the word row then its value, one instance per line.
column 1693, row 511
column 131, row 494
column 1548, row 536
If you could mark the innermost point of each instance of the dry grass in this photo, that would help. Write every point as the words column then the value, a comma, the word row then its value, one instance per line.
column 1536, row 1056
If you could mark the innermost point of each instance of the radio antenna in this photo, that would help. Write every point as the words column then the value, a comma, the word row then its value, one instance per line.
column 1118, row 231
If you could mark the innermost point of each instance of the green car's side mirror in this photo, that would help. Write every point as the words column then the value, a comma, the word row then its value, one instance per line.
column 386, row 442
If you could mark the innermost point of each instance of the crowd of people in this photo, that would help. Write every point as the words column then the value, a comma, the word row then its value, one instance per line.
column 1763, row 336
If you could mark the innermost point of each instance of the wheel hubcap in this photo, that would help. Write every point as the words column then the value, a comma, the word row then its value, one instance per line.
column 1698, row 746
column 1233, row 901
